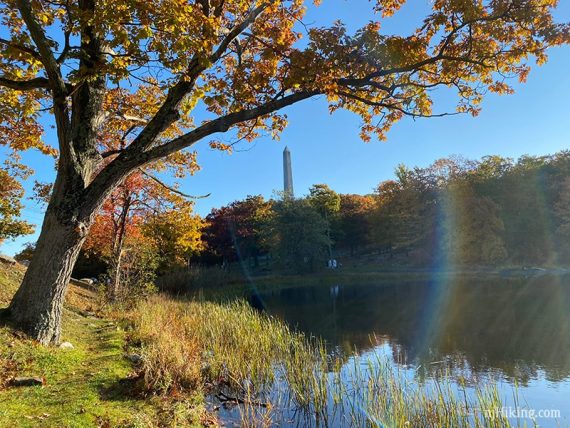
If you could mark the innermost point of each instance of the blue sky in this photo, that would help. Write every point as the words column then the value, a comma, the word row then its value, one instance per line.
column 326, row 148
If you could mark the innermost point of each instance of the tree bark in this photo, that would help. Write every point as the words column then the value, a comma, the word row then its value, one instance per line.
column 114, row 291
column 117, row 250
column 38, row 304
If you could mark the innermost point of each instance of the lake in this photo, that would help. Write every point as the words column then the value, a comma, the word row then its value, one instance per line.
column 515, row 332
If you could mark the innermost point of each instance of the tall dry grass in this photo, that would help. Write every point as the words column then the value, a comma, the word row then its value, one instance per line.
column 273, row 374
column 187, row 343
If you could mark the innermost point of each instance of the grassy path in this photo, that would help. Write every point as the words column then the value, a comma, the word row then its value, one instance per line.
column 87, row 386
column 84, row 386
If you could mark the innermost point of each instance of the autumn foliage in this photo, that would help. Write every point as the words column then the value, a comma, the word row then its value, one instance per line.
column 11, row 193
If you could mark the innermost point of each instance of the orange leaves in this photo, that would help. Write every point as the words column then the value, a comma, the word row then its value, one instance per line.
column 236, row 56
column 471, row 47
column 217, row 145
column 501, row 88
column 388, row 7
column 138, row 199
column 11, row 193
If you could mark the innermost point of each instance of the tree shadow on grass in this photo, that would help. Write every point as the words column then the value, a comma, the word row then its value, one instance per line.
column 125, row 389
column 7, row 321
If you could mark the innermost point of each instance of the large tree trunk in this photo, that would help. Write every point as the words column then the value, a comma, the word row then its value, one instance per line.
column 38, row 304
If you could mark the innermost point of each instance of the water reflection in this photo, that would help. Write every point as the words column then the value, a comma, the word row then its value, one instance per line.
column 518, row 328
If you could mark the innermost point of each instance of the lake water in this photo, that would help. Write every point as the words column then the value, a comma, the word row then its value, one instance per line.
column 513, row 331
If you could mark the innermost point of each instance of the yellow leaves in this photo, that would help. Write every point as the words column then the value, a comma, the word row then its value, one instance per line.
column 178, row 228
column 464, row 45
column 190, row 102
column 44, row 18
column 388, row 7
column 182, row 163
column 332, row 97
column 19, row 126
column 278, row 124
column 145, row 32
column 218, row 145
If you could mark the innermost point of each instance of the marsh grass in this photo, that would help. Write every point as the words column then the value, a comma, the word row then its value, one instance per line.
column 185, row 344
column 272, row 374
column 376, row 394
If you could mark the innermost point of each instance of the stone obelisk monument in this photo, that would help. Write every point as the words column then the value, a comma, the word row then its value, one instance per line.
column 287, row 173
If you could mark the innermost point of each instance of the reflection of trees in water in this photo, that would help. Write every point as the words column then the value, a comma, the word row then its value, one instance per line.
column 470, row 327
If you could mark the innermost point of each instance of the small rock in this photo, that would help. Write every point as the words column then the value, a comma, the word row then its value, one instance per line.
column 135, row 358
column 19, row 334
column 27, row 381
column 66, row 345
column 7, row 260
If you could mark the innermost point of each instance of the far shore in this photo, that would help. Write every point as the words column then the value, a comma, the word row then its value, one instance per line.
column 244, row 283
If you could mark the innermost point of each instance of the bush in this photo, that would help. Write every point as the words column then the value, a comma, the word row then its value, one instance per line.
column 193, row 278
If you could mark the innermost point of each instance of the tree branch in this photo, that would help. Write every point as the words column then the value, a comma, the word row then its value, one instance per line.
column 66, row 48
column 56, row 82
column 392, row 106
column 108, row 153
column 168, row 112
column 237, row 30
column 170, row 188
column 439, row 56
column 128, row 160
column 222, row 124
column 25, row 85
column 46, row 56
column 27, row 49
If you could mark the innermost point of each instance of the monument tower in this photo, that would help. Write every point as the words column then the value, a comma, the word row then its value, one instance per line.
column 287, row 173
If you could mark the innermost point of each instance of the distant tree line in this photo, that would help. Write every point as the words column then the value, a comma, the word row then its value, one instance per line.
column 459, row 212
column 456, row 212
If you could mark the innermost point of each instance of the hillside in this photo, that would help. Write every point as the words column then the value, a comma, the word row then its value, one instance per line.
column 88, row 385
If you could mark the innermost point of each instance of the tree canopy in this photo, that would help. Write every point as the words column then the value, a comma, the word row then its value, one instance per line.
column 142, row 68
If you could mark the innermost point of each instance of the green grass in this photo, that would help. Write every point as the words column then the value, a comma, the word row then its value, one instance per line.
column 92, row 385
column 83, row 385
